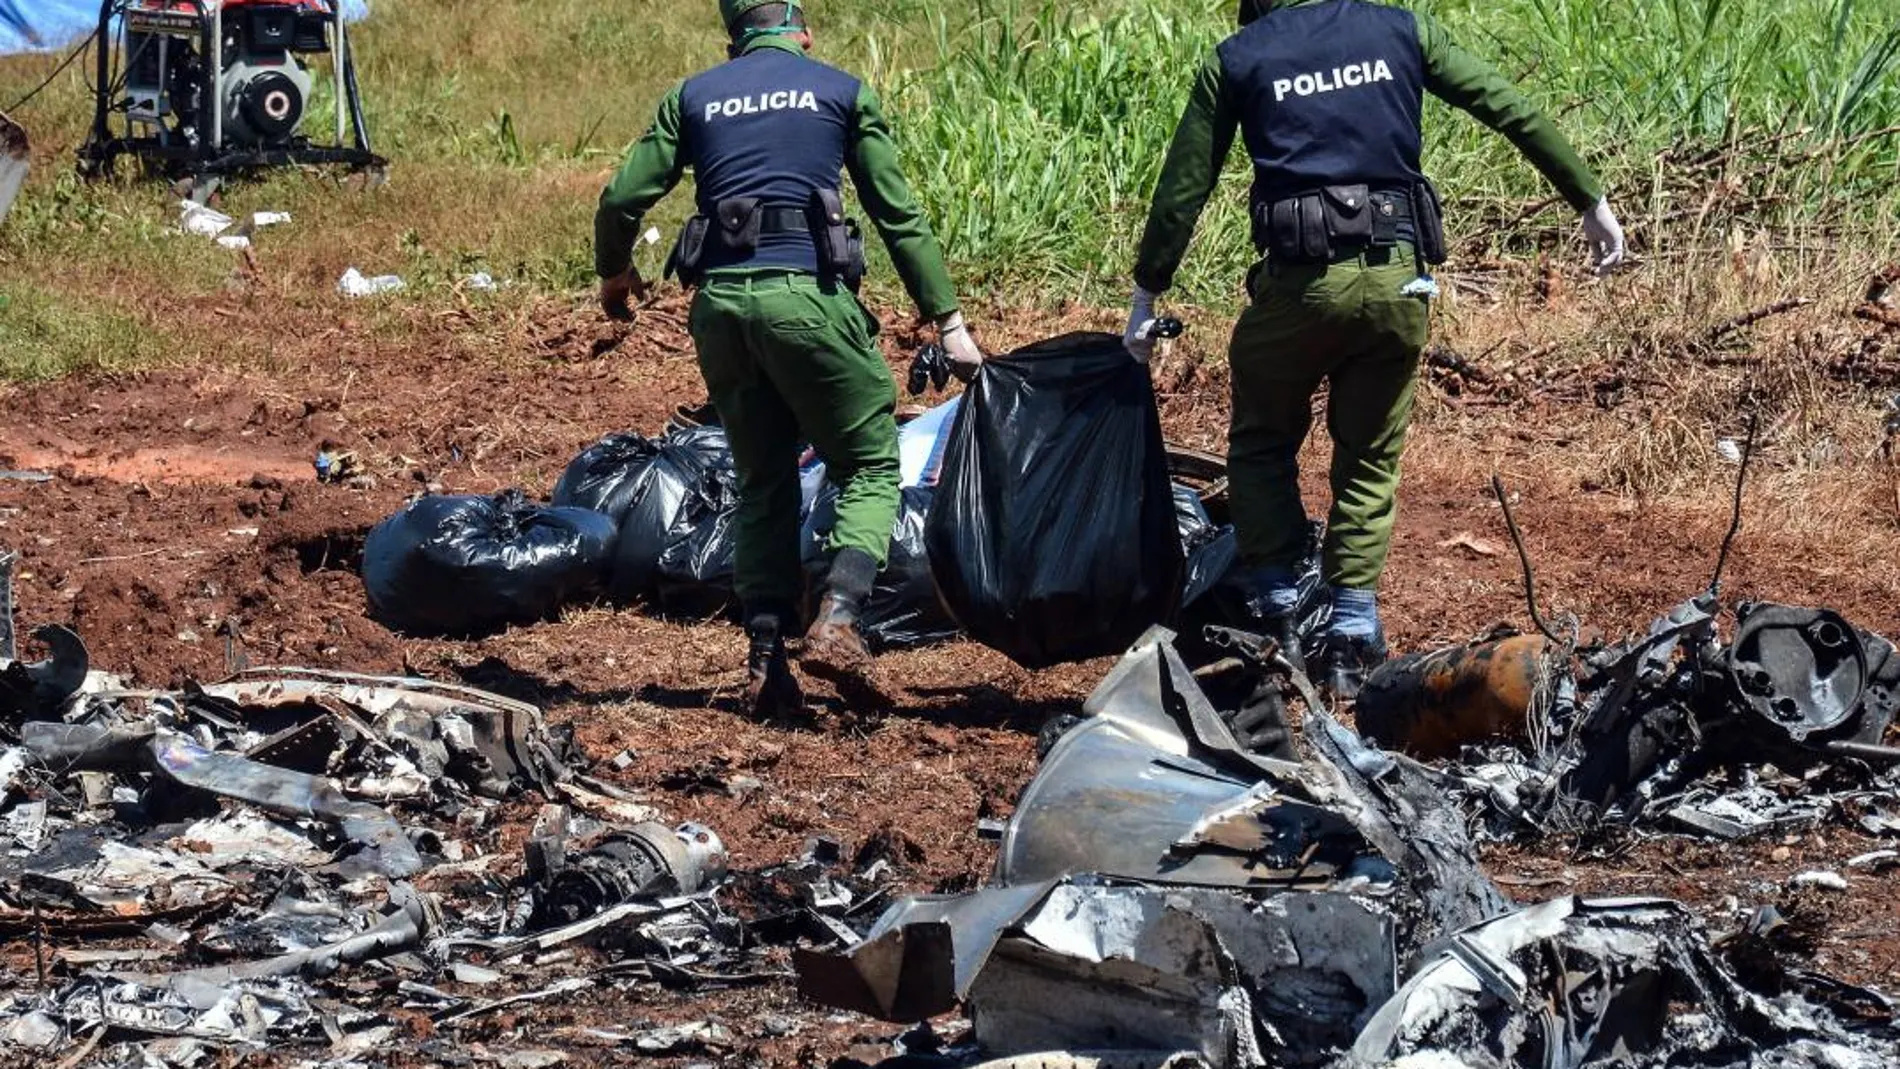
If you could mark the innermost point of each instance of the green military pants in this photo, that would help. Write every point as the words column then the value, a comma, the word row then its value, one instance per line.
column 787, row 362
column 1347, row 324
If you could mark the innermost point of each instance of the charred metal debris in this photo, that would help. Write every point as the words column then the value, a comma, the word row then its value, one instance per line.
column 1770, row 725
column 1776, row 727
column 1167, row 898
column 309, row 861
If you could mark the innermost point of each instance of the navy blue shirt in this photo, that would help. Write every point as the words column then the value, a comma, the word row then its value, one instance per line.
column 1328, row 94
column 771, row 124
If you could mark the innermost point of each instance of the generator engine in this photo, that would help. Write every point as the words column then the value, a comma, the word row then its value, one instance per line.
column 205, row 88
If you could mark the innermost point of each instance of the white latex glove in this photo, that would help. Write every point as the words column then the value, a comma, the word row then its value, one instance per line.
column 1605, row 236
column 957, row 344
column 1138, row 338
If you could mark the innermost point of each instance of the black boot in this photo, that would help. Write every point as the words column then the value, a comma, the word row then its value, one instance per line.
column 770, row 691
column 1280, row 625
column 834, row 650
column 1349, row 659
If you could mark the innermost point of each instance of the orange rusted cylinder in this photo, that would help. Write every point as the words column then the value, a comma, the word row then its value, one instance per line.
column 1432, row 704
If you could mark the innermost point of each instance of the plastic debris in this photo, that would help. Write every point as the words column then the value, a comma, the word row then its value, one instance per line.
column 195, row 218
column 1826, row 881
column 355, row 284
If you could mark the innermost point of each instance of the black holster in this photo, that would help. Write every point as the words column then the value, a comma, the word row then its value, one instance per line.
column 738, row 223
column 734, row 224
column 1428, row 222
column 689, row 252
column 840, row 243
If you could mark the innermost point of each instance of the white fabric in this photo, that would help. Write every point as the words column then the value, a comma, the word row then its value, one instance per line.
column 921, row 443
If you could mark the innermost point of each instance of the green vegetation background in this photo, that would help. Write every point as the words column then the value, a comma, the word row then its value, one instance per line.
column 1033, row 134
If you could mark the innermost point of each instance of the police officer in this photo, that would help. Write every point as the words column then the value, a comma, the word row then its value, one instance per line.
column 1327, row 96
column 783, row 343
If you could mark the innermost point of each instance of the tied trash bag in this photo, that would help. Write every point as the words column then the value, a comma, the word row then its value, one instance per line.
column 1053, row 536
column 464, row 564
column 903, row 610
column 688, row 481
column 608, row 476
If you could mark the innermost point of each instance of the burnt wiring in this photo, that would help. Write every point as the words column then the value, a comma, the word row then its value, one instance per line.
column 1544, row 699
column 1735, row 507
column 1524, row 561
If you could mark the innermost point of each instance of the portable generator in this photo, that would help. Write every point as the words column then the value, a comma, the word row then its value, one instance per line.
column 203, row 89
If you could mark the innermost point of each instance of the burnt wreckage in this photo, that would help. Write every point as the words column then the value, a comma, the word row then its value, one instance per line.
column 1774, row 730
column 1166, row 897
column 283, row 860
column 239, row 866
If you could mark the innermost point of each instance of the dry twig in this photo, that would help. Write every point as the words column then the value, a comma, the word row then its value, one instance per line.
column 1750, row 318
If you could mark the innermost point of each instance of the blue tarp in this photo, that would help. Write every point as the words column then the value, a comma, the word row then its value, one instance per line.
column 38, row 25
column 48, row 25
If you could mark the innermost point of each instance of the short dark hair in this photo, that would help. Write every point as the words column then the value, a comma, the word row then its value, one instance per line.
column 768, row 17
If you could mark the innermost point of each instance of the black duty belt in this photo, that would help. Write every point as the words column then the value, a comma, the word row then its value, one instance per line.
column 1392, row 204
column 782, row 220
column 1319, row 225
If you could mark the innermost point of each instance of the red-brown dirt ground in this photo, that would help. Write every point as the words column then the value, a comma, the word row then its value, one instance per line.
column 184, row 504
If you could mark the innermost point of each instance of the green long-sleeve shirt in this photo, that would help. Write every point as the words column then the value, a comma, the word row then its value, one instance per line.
column 1208, row 125
column 656, row 165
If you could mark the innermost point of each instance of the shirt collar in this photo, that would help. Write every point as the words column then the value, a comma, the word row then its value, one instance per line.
column 783, row 42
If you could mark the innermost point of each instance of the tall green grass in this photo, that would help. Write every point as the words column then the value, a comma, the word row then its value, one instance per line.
column 1037, row 133
column 1050, row 124
column 1033, row 130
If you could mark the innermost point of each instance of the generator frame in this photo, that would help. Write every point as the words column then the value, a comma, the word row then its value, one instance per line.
column 209, row 160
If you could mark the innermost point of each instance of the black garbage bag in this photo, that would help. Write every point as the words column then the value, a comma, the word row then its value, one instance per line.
column 608, row 476
column 1215, row 592
column 689, row 479
column 904, row 610
column 1190, row 516
column 1209, row 557
column 466, row 564
column 1053, row 536
column 694, row 571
